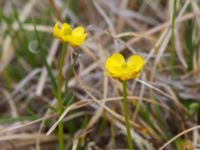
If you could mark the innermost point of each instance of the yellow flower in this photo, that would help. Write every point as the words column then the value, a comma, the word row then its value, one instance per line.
column 65, row 33
column 118, row 68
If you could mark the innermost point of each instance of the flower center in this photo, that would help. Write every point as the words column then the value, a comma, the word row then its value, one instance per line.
column 66, row 32
column 124, row 66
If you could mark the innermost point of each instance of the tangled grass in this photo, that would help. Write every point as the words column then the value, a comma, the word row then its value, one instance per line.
column 164, row 110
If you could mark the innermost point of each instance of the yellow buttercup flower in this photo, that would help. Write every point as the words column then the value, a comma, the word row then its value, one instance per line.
column 118, row 68
column 75, row 37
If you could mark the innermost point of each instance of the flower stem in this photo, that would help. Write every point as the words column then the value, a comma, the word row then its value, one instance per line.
column 59, row 97
column 125, row 105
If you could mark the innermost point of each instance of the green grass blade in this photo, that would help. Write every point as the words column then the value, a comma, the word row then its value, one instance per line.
column 43, row 55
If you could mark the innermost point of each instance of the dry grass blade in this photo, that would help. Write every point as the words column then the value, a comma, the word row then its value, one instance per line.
column 27, row 137
column 158, row 90
column 177, row 136
column 3, row 131
column 66, row 111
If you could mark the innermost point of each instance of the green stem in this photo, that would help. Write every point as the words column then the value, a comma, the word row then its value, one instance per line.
column 173, row 55
column 59, row 98
column 173, row 20
column 125, row 105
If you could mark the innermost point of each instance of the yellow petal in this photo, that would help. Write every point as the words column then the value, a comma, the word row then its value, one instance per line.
column 66, row 29
column 57, row 31
column 114, row 64
column 115, row 60
column 73, row 40
column 76, row 38
column 135, row 62
column 78, row 31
